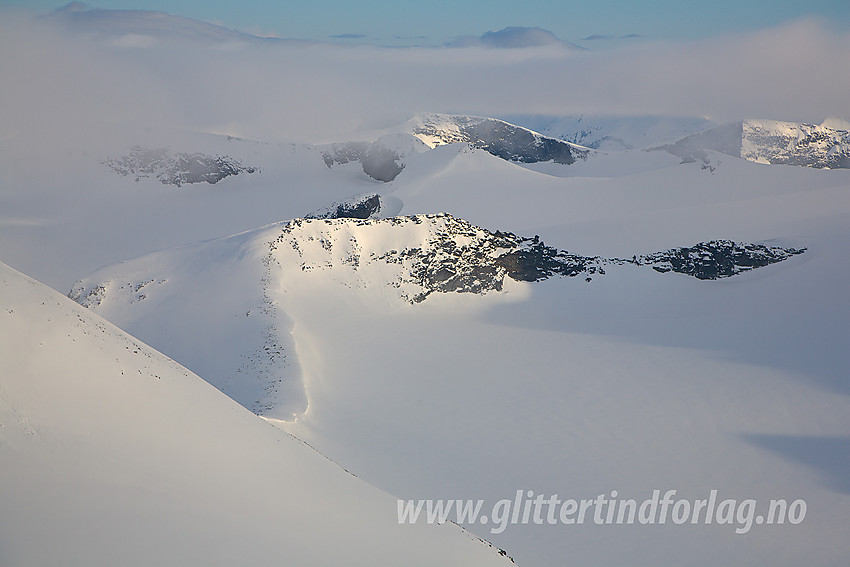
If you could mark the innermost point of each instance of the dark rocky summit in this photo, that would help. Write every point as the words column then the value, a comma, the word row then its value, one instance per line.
column 378, row 161
column 358, row 207
column 176, row 168
column 504, row 140
column 717, row 258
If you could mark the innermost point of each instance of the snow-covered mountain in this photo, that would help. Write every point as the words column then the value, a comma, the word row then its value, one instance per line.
column 634, row 381
column 382, row 159
column 219, row 307
column 139, row 28
column 449, row 306
column 502, row 139
column 113, row 454
column 385, row 157
column 321, row 317
column 614, row 133
column 516, row 37
column 175, row 169
column 772, row 142
column 366, row 206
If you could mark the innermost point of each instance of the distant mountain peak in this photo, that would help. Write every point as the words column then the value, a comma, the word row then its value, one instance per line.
column 259, row 276
column 74, row 7
column 385, row 158
column 500, row 138
column 176, row 168
column 519, row 36
column 515, row 37
column 771, row 142
column 113, row 25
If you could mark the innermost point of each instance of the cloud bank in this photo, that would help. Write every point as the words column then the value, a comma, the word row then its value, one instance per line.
column 64, row 82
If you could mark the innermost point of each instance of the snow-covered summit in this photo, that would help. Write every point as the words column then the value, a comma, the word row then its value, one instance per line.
column 386, row 155
column 772, row 142
column 222, row 307
column 141, row 28
column 811, row 145
column 500, row 138
column 176, row 168
column 516, row 37
column 382, row 159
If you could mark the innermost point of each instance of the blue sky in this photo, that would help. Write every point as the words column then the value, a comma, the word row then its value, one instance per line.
column 394, row 22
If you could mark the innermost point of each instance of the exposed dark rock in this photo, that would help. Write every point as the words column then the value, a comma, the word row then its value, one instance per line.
column 423, row 254
column 536, row 261
column 717, row 258
column 178, row 168
column 463, row 258
column 513, row 143
column 770, row 142
column 504, row 140
column 378, row 161
column 485, row 258
column 381, row 163
column 361, row 207
column 344, row 153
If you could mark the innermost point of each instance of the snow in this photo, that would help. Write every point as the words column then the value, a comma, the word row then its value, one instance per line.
column 770, row 142
column 303, row 349
column 614, row 133
column 632, row 382
column 114, row 454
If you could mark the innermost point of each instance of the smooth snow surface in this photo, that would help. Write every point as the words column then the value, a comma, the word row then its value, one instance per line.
column 113, row 454
column 634, row 381
column 395, row 345
column 614, row 133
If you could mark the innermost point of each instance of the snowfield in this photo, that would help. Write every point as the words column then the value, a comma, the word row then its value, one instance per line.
column 402, row 348
column 399, row 348
column 113, row 454
column 272, row 306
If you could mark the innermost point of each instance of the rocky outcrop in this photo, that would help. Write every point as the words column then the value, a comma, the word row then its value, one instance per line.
column 176, row 168
column 378, row 161
column 357, row 207
column 717, row 258
column 504, row 140
column 770, row 142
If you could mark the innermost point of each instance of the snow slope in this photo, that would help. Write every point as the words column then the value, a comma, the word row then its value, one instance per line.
column 502, row 139
column 113, row 454
column 447, row 353
column 143, row 28
column 64, row 211
column 153, row 188
column 614, row 133
column 217, row 306
column 393, row 148
column 634, row 381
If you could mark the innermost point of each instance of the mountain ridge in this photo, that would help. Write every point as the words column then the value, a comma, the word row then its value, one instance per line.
column 771, row 142
column 386, row 262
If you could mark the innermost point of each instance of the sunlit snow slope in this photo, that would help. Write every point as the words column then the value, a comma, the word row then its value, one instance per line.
column 633, row 381
column 112, row 454
column 614, row 133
